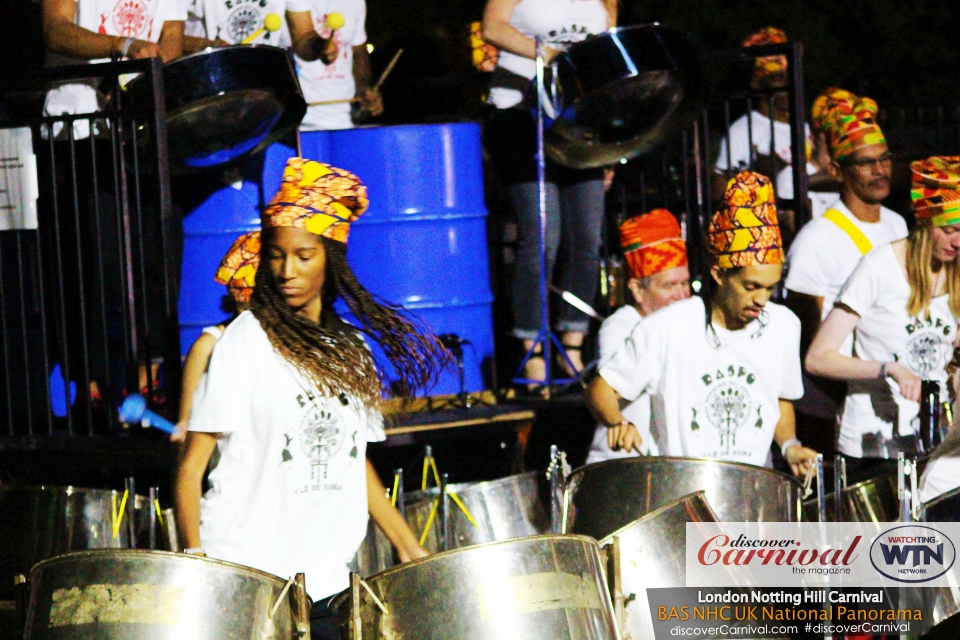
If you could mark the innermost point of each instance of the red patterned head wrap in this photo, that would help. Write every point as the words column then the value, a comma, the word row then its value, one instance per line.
column 238, row 269
column 318, row 198
column 767, row 65
column 936, row 191
column 744, row 232
column 652, row 243
column 849, row 122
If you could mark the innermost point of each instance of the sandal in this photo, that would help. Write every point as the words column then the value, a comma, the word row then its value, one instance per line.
column 570, row 348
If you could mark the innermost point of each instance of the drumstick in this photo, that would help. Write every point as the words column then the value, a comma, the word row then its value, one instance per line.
column 380, row 81
column 271, row 22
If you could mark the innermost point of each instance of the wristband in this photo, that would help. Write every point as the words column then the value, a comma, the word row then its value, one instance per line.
column 792, row 442
column 883, row 370
column 195, row 551
column 622, row 422
column 126, row 47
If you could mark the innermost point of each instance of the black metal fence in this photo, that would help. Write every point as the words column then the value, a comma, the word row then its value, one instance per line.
column 88, row 289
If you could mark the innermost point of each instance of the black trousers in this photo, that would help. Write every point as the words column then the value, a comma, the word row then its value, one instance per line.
column 322, row 621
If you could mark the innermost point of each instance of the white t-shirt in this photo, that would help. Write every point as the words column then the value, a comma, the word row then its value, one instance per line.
column 234, row 20
column 335, row 81
column 140, row 19
column 874, row 410
column 613, row 336
column 707, row 400
column 757, row 129
column 823, row 256
column 289, row 493
column 560, row 23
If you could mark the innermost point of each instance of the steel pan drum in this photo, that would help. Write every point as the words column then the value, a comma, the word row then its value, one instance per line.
column 375, row 553
column 511, row 507
column 873, row 500
column 222, row 103
column 543, row 587
column 603, row 497
column 37, row 523
column 651, row 554
column 621, row 93
column 124, row 594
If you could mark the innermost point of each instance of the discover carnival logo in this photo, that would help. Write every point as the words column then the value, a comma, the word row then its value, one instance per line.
column 912, row 553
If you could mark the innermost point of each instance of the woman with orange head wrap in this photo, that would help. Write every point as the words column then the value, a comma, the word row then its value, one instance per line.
column 901, row 304
column 725, row 366
column 292, row 396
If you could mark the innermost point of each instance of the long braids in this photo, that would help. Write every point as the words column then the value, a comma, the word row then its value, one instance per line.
column 331, row 355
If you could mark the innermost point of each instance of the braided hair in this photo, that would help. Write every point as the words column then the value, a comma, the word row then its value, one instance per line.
column 331, row 354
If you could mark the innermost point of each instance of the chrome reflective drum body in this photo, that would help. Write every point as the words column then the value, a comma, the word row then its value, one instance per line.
column 375, row 553
column 537, row 588
column 37, row 523
column 621, row 93
column 603, row 497
column 223, row 103
column 128, row 593
column 651, row 554
column 511, row 507
column 873, row 500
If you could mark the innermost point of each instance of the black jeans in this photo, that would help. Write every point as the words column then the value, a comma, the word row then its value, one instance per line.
column 322, row 621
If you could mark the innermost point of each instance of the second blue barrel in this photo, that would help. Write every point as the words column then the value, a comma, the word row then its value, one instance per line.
column 423, row 241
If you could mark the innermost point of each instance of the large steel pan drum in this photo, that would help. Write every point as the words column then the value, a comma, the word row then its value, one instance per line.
column 124, row 594
column 511, row 507
column 603, row 497
column 37, row 523
column 943, row 508
column 376, row 552
column 873, row 500
column 544, row 587
column 222, row 103
column 651, row 554
column 621, row 93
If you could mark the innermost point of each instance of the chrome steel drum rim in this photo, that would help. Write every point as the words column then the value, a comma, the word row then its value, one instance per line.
column 693, row 495
column 655, row 459
column 425, row 495
column 134, row 553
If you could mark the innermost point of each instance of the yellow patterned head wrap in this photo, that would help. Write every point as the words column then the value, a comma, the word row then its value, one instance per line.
column 849, row 122
column 745, row 232
column 767, row 65
column 318, row 198
column 936, row 191
column 824, row 105
column 238, row 269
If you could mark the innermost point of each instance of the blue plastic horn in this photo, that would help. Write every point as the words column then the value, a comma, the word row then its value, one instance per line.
column 134, row 411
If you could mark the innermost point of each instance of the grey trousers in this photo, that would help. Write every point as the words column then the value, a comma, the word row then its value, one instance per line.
column 574, row 222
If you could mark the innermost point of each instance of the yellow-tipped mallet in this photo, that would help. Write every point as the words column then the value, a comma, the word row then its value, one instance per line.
column 334, row 21
column 271, row 22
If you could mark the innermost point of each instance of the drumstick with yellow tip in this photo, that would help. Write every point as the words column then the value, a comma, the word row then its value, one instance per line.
column 271, row 23
column 334, row 21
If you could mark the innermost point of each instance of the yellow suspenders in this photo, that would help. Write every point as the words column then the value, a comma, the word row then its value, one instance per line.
column 861, row 241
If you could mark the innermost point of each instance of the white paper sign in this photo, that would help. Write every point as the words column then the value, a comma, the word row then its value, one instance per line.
column 18, row 180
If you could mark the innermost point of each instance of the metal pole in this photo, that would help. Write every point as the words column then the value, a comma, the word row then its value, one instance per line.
column 132, row 512
column 444, row 513
column 838, row 487
column 821, row 491
column 542, row 210
column 401, row 497
column 152, row 510
column 554, row 489
column 903, row 491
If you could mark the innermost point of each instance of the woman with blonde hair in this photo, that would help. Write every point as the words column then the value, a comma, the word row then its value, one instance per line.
column 902, row 304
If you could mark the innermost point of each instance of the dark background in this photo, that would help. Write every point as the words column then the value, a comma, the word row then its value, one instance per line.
column 900, row 52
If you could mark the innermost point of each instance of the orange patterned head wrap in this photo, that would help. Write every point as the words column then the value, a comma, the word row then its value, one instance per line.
column 318, row 198
column 238, row 269
column 767, row 65
column 849, row 122
column 936, row 191
column 652, row 243
column 744, row 232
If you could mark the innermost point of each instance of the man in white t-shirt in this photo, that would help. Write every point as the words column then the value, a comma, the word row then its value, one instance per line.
column 350, row 73
column 224, row 22
column 721, row 370
column 754, row 140
column 657, row 257
column 76, row 31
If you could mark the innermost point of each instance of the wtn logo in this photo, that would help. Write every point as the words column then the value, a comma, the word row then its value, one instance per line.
column 912, row 553
column 899, row 554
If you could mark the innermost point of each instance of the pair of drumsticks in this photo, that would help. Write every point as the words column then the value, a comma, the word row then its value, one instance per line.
column 380, row 81
column 272, row 22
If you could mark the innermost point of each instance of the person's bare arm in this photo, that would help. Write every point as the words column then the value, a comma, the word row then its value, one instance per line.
column 498, row 31
column 798, row 457
column 604, row 403
column 195, row 365
column 824, row 358
column 370, row 98
column 61, row 35
column 307, row 43
column 393, row 525
column 188, row 485
column 170, row 42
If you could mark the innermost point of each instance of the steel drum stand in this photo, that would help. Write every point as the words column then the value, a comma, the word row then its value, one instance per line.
column 545, row 338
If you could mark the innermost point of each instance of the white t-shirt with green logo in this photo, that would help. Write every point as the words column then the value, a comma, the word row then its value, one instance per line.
column 874, row 412
column 289, row 493
column 714, row 393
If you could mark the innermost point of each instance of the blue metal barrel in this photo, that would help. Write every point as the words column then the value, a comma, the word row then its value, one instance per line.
column 423, row 242
column 208, row 232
